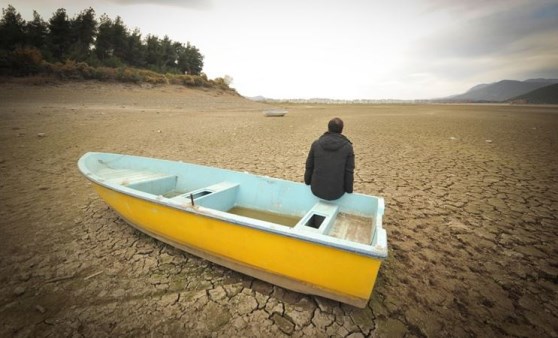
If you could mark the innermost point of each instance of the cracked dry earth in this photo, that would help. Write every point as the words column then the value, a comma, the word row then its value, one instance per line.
column 471, row 197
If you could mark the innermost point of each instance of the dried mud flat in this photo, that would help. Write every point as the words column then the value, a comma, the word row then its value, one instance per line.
column 471, row 213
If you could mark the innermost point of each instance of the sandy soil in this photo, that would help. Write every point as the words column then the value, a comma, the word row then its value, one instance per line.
column 471, row 216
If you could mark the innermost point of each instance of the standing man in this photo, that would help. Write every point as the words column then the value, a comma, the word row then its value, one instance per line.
column 331, row 163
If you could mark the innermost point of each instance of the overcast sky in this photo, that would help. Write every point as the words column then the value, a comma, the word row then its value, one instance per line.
column 353, row 49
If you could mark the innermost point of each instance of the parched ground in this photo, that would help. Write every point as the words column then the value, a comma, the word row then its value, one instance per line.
column 471, row 213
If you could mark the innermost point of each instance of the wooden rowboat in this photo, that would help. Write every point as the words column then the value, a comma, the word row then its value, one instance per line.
column 275, row 112
column 268, row 228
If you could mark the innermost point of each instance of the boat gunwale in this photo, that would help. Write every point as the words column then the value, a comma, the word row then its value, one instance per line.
column 378, row 251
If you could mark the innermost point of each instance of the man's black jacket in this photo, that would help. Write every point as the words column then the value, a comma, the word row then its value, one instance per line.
column 330, row 166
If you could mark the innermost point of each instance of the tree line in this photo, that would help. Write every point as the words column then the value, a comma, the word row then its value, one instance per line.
column 98, row 43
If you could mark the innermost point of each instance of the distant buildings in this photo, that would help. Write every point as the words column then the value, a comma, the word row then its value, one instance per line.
column 334, row 101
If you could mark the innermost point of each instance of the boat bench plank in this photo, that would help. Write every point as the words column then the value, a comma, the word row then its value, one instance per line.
column 320, row 209
column 220, row 196
column 147, row 181
column 128, row 177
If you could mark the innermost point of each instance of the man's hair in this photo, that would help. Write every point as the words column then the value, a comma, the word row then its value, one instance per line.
column 335, row 125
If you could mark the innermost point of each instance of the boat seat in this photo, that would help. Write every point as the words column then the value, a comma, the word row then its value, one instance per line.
column 220, row 196
column 319, row 219
column 146, row 181
column 128, row 177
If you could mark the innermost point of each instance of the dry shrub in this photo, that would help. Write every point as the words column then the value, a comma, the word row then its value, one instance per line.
column 86, row 71
column 52, row 68
column 174, row 79
column 26, row 61
column 184, row 80
column 189, row 81
column 69, row 70
column 221, row 83
column 105, row 73
column 30, row 62
column 128, row 75
column 152, row 77
column 200, row 81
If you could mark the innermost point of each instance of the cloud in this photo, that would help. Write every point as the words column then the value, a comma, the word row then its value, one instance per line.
column 493, row 33
column 471, row 8
column 500, row 42
column 190, row 4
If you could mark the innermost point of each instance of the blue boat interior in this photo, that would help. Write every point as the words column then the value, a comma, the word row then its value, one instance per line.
column 240, row 194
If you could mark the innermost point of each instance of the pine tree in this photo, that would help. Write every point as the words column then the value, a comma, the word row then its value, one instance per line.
column 36, row 32
column 84, row 30
column 12, row 29
column 59, row 36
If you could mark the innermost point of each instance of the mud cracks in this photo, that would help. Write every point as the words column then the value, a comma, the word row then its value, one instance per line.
column 472, row 224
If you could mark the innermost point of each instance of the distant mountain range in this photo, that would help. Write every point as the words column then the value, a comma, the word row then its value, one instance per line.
column 508, row 90
column 257, row 98
column 536, row 91
column 544, row 95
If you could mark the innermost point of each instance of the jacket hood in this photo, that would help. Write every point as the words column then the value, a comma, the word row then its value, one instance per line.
column 332, row 141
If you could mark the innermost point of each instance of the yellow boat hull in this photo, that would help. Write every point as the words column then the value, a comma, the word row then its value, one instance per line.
column 289, row 262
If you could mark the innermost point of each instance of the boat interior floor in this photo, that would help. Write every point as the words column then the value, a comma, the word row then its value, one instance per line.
column 324, row 218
